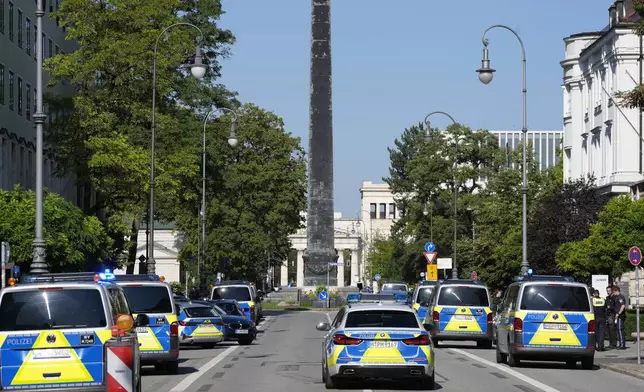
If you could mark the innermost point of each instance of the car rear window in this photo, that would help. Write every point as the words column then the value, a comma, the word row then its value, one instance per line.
column 200, row 311
column 424, row 294
column 394, row 287
column 229, row 308
column 381, row 318
column 148, row 299
column 52, row 309
column 552, row 297
column 236, row 293
column 463, row 296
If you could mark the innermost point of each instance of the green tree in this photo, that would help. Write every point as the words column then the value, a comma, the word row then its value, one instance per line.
column 74, row 241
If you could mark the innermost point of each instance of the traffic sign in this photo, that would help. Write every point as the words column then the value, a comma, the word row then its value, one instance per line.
column 422, row 274
column 432, row 272
column 635, row 256
column 336, row 264
column 323, row 296
column 430, row 247
column 431, row 257
column 377, row 277
column 474, row 275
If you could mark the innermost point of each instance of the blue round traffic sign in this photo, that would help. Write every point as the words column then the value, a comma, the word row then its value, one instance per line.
column 430, row 247
column 377, row 277
column 323, row 296
column 635, row 256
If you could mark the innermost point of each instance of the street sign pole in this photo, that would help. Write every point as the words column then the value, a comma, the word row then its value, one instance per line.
column 5, row 254
column 635, row 257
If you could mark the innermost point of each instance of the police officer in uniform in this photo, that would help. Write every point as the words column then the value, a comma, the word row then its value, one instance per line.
column 610, row 318
column 599, row 305
column 620, row 316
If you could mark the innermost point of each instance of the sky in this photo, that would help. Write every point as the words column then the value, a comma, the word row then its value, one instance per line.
column 396, row 61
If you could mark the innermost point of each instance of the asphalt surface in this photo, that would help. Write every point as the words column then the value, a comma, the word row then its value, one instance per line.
column 286, row 358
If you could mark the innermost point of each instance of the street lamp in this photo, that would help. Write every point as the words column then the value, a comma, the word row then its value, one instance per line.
column 485, row 76
column 198, row 70
column 39, row 262
column 428, row 124
column 232, row 141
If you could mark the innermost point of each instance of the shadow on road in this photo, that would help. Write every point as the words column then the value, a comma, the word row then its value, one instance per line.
column 552, row 365
column 391, row 385
column 151, row 371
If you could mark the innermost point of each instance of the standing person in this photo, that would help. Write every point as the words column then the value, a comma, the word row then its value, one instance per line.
column 620, row 317
column 610, row 318
column 599, row 306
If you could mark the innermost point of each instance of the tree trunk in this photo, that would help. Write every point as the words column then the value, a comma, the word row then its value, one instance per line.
column 133, row 244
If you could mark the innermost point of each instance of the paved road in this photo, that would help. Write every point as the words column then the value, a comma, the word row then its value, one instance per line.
column 286, row 358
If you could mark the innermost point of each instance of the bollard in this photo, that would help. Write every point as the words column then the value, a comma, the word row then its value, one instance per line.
column 120, row 364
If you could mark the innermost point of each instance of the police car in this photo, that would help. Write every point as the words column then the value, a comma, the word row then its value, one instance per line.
column 53, row 328
column 374, row 339
column 150, row 295
column 244, row 293
column 546, row 318
column 199, row 325
column 460, row 310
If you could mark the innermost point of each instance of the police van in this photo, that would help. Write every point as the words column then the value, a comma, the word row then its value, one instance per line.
column 150, row 295
column 421, row 296
column 244, row 293
column 546, row 318
column 53, row 328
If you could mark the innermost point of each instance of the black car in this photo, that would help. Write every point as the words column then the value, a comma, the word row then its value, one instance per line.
column 237, row 326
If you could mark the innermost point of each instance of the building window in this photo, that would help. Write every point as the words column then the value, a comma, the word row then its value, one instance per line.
column 392, row 211
column 42, row 49
column 28, row 35
column 57, row 50
column 19, row 29
column 50, row 53
column 35, row 101
column 28, row 102
column 11, row 96
column 35, row 42
column 2, row 16
column 2, row 84
column 19, row 95
column 383, row 211
column 372, row 210
column 10, row 21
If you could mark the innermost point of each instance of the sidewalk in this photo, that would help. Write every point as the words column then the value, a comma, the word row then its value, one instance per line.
column 622, row 361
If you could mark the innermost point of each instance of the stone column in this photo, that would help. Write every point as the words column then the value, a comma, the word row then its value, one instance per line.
column 300, row 268
column 284, row 274
column 355, row 263
column 340, row 268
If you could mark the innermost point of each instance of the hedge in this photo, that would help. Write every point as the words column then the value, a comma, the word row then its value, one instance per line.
column 630, row 326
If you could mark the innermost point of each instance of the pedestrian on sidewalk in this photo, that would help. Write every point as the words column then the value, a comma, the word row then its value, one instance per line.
column 620, row 317
column 610, row 318
column 599, row 306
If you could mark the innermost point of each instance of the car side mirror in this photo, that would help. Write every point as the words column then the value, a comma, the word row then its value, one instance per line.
column 428, row 326
column 323, row 327
column 142, row 320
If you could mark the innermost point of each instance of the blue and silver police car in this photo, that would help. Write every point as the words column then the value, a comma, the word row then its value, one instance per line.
column 373, row 338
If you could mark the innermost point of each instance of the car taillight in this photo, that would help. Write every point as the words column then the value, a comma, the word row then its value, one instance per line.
column 174, row 329
column 490, row 317
column 436, row 316
column 182, row 323
column 518, row 325
column 591, row 326
column 422, row 340
column 252, row 308
column 344, row 340
column 219, row 323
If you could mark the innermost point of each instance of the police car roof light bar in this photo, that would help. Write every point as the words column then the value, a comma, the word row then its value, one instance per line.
column 137, row 278
column 59, row 277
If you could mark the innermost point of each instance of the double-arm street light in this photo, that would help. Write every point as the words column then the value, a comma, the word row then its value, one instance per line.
column 39, row 262
column 232, row 141
column 198, row 70
column 427, row 137
column 486, row 73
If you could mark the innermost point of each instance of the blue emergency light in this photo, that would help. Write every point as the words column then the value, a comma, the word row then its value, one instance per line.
column 106, row 276
column 353, row 298
column 530, row 271
column 401, row 297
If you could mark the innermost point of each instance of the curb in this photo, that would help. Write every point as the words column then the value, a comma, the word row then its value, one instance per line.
column 618, row 369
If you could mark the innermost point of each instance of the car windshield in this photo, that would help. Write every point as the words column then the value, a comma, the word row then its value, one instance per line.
column 200, row 311
column 463, row 296
column 232, row 292
column 52, row 309
column 229, row 308
column 555, row 297
column 424, row 294
column 381, row 318
column 394, row 287
column 148, row 299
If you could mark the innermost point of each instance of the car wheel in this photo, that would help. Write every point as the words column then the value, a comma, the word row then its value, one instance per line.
column 588, row 363
column 428, row 383
column 172, row 367
column 513, row 361
column 500, row 357
column 245, row 342
column 328, row 381
column 208, row 346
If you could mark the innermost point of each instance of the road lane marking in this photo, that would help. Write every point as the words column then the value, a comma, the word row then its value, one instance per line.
column 261, row 324
column 188, row 381
column 509, row 371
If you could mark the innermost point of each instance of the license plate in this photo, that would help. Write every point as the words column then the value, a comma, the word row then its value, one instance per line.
column 241, row 331
column 461, row 317
column 207, row 326
column 385, row 344
column 53, row 353
column 556, row 327
column 141, row 330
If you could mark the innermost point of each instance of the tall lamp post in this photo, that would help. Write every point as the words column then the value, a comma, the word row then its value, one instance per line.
column 198, row 70
column 430, row 212
column 39, row 262
column 232, row 141
column 427, row 136
column 486, row 73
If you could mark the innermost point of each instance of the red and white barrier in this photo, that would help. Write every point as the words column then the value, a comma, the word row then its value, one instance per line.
column 119, row 360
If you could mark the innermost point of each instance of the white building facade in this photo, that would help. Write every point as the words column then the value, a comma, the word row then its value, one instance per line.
column 544, row 144
column 601, row 138
column 18, row 71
